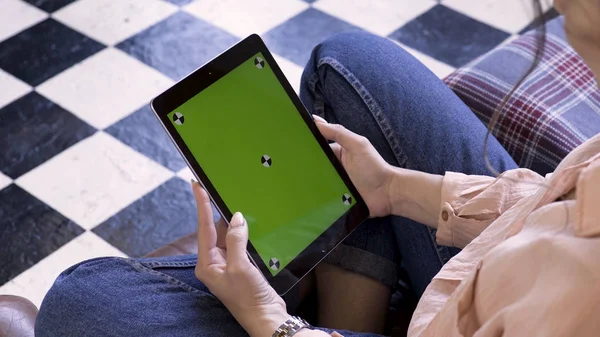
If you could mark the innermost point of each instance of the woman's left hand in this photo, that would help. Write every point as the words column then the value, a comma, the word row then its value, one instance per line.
column 226, row 270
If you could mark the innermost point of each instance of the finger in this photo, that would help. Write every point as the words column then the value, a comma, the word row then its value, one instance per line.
column 339, row 134
column 319, row 119
column 337, row 149
column 221, row 233
column 207, row 234
column 237, row 241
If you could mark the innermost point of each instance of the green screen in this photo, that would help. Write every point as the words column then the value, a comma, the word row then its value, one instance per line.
column 232, row 128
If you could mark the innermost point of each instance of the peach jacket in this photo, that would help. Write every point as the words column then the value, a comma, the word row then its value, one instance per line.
column 530, row 264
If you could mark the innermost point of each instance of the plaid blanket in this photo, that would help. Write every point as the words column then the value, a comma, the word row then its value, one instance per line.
column 556, row 109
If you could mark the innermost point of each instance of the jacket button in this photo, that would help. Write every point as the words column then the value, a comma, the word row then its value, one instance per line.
column 445, row 215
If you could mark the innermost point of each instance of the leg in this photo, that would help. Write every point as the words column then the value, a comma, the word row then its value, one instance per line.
column 375, row 88
column 135, row 297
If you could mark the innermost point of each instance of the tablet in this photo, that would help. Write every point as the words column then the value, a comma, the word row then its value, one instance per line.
column 255, row 148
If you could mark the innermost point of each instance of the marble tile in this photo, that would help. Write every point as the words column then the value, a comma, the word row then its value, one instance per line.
column 16, row 16
column 31, row 230
column 34, row 130
column 550, row 15
column 143, row 132
column 175, row 47
column 161, row 216
column 50, row 5
column 110, row 21
column 44, row 50
column 94, row 179
column 292, row 71
column 379, row 17
column 449, row 36
column 180, row 2
column 35, row 282
column 508, row 15
column 242, row 18
column 296, row 38
column 12, row 88
column 4, row 181
column 119, row 87
column 186, row 174
column 440, row 69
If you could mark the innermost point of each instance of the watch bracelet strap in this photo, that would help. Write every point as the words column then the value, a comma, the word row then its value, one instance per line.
column 290, row 327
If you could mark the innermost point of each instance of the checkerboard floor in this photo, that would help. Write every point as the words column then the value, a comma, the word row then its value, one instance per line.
column 86, row 170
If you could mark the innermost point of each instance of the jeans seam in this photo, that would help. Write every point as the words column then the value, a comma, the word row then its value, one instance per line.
column 137, row 265
column 368, row 100
column 319, row 101
column 169, row 264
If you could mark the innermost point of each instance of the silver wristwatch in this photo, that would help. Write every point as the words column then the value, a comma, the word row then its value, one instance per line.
column 291, row 326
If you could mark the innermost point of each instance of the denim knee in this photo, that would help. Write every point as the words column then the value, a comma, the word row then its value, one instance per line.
column 73, row 296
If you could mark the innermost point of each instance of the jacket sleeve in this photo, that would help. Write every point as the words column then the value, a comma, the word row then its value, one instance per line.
column 470, row 203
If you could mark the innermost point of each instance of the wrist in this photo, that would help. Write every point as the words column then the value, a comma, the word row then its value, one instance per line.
column 266, row 324
column 415, row 195
column 398, row 194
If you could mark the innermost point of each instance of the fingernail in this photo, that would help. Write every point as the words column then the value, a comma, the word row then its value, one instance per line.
column 237, row 220
column 193, row 181
column 319, row 119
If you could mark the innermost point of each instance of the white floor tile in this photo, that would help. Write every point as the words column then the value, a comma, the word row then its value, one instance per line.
column 380, row 17
column 291, row 70
column 35, row 282
column 17, row 15
column 105, row 87
column 508, row 15
column 439, row 68
column 4, row 181
column 12, row 88
column 186, row 174
column 243, row 17
column 110, row 21
column 94, row 179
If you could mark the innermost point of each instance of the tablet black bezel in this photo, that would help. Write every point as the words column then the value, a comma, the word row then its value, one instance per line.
column 201, row 79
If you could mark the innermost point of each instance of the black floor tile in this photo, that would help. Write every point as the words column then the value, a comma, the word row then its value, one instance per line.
column 44, row 50
column 50, row 6
column 161, row 216
column 178, row 45
column 33, row 130
column 29, row 231
column 143, row 132
column 449, row 36
column 296, row 38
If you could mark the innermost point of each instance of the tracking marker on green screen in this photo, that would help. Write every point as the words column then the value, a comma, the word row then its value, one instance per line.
column 178, row 118
column 274, row 264
column 281, row 180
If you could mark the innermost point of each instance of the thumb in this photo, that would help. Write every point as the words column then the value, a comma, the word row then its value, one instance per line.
column 338, row 133
column 237, row 240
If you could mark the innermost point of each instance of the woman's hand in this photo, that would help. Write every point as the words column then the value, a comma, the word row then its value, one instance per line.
column 369, row 172
column 225, row 269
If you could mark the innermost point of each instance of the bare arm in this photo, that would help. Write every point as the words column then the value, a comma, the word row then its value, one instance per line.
column 416, row 195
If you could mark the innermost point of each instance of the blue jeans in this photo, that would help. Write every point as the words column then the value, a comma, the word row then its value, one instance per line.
column 374, row 88
column 378, row 90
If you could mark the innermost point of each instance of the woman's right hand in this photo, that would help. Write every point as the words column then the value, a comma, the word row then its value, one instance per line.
column 369, row 172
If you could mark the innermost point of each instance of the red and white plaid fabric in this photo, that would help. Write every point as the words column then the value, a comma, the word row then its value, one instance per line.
column 556, row 109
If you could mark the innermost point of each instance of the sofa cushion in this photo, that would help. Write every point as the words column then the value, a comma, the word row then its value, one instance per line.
column 555, row 109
